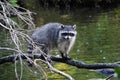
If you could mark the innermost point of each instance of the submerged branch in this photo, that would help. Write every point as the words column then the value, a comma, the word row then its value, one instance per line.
column 76, row 63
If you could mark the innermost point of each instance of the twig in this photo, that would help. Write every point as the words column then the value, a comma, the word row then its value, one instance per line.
column 40, row 68
column 108, row 78
column 7, row 10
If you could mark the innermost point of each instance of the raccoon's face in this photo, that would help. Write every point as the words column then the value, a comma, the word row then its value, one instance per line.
column 67, row 32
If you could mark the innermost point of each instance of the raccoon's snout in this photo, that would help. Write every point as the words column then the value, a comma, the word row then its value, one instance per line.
column 67, row 37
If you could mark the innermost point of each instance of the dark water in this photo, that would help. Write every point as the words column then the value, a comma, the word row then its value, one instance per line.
column 98, row 39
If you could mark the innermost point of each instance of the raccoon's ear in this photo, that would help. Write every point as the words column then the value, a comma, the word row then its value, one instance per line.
column 62, row 26
column 74, row 27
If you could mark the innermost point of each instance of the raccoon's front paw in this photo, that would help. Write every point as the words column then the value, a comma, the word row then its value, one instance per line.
column 66, row 58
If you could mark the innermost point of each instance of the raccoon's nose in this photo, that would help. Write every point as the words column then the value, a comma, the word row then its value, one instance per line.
column 66, row 37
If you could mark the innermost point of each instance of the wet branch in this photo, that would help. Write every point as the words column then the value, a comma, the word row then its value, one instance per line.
column 72, row 62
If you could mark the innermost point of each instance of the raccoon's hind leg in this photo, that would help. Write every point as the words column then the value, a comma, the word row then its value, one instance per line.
column 45, row 53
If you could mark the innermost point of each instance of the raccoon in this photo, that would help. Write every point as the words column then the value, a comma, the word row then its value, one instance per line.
column 54, row 35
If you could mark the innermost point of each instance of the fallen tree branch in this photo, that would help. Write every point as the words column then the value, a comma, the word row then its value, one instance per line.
column 76, row 63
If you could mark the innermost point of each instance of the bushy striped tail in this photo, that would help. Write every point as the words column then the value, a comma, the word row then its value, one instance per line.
column 30, row 48
column 29, row 51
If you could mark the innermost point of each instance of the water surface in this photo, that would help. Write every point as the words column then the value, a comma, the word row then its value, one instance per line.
column 98, row 40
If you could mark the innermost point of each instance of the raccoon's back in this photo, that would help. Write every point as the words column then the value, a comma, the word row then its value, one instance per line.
column 46, row 34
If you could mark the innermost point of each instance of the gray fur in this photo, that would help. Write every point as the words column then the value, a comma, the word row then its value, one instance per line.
column 49, row 36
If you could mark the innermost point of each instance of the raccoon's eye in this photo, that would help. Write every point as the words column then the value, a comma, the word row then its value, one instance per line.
column 67, row 34
column 71, row 34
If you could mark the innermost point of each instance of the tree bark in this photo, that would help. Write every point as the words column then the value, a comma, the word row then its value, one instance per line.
column 72, row 62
